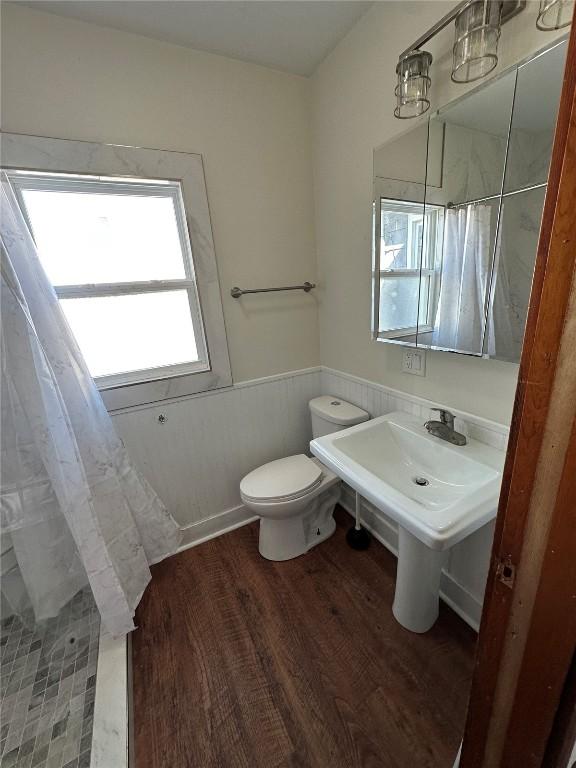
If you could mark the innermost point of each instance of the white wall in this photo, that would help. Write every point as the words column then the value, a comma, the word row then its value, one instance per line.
column 68, row 79
column 353, row 100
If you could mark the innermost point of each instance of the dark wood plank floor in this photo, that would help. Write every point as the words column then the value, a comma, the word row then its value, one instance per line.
column 241, row 662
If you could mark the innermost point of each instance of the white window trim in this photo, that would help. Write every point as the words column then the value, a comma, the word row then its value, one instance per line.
column 45, row 155
column 22, row 181
column 431, row 273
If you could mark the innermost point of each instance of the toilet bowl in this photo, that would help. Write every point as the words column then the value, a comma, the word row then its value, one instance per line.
column 295, row 496
column 298, row 514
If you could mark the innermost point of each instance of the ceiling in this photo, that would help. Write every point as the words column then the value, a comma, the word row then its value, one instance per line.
column 289, row 35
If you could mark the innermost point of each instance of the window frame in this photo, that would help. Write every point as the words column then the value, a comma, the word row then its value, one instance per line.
column 136, row 165
column 430, row 272
column 23, row 181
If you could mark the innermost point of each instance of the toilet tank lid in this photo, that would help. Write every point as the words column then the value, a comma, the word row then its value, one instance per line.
column 338, row 411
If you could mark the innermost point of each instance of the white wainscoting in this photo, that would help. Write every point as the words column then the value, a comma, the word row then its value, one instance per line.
column 197, row 457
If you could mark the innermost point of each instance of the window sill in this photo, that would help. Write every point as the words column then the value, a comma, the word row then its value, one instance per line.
column 119, row 396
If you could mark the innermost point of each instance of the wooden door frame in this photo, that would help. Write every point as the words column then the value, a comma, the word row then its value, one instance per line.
column 528, row 631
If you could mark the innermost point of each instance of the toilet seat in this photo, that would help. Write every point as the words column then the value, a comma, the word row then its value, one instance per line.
column 282, row 480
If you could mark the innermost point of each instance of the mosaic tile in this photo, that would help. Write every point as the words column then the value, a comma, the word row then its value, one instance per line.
column 85, row 744
column 40, row 755
column 47, row 687
column 9, row 759
column 26, row 748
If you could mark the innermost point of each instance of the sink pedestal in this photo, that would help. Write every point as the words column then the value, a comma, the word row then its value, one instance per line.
column 417, row 582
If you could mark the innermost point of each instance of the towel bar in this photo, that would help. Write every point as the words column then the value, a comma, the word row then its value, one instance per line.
column 237, row 292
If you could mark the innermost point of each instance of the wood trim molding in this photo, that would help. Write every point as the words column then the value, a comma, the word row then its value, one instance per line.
column 561, row 747
column 528, row 632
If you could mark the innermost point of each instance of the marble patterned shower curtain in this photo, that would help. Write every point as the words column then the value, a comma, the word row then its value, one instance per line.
column 76, row 508
column 459, row 322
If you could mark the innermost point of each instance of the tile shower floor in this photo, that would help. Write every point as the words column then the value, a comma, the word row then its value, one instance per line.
column 48, row 682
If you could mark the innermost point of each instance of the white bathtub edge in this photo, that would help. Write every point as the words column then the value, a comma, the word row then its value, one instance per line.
column 110, row 730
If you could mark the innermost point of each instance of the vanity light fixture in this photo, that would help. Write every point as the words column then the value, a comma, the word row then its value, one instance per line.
column 475, row 51
column 478, row 24
column 413, row 84
column 554, row 14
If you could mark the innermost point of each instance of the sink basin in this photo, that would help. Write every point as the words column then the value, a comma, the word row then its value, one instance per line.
column 438, row 494
column 386, row 458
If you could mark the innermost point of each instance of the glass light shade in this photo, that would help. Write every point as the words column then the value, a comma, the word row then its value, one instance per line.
column 413, row 84
column 555, row 14
column 475, row 51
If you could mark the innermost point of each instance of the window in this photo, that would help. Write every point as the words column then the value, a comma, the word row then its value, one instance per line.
column 409, row 235
column 118, row 255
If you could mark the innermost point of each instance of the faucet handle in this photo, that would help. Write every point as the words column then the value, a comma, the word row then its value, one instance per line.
column 445, row 417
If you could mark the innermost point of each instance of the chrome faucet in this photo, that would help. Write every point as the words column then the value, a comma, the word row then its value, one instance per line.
column 444, row 429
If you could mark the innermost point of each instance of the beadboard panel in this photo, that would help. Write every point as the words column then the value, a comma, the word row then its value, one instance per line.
column 196, row 458
column 464, row 577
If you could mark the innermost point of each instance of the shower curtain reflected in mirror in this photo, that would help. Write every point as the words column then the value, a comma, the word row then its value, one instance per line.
column 75, row 512
column 460, row 315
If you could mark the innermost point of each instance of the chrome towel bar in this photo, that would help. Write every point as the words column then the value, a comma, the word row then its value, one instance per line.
column 306, row 287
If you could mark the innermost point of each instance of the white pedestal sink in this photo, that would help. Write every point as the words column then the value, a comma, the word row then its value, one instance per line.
column 417, row 582
column 438, row 494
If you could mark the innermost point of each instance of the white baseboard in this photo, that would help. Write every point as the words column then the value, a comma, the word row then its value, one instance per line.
column 217, row 525
column 451, row 592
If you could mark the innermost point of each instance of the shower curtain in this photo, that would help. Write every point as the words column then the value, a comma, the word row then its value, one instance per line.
column 459, row 322
column 76, row 509
column 502, row 344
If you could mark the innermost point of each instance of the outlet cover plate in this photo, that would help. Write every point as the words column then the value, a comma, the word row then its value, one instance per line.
column 414, row 362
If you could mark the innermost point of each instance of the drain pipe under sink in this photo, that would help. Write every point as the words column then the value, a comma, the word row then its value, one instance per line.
column 358, row 537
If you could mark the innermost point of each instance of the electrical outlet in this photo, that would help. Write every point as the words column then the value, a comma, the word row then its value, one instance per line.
column 414, row 362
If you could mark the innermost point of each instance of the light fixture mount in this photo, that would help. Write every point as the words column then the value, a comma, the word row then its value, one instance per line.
column 510, row 8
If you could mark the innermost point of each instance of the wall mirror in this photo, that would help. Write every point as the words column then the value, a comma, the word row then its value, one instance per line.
column 456, row 215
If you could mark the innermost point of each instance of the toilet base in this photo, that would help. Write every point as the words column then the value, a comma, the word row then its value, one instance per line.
column 291, row 537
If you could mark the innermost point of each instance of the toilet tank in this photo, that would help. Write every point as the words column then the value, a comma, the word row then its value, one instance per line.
column 331, row 414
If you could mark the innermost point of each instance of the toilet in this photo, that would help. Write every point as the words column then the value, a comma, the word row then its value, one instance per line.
column 295, row 497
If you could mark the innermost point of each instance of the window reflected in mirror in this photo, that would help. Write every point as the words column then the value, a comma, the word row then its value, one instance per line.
column 410, row 243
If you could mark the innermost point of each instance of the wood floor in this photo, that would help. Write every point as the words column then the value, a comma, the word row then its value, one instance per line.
column 241, row 662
